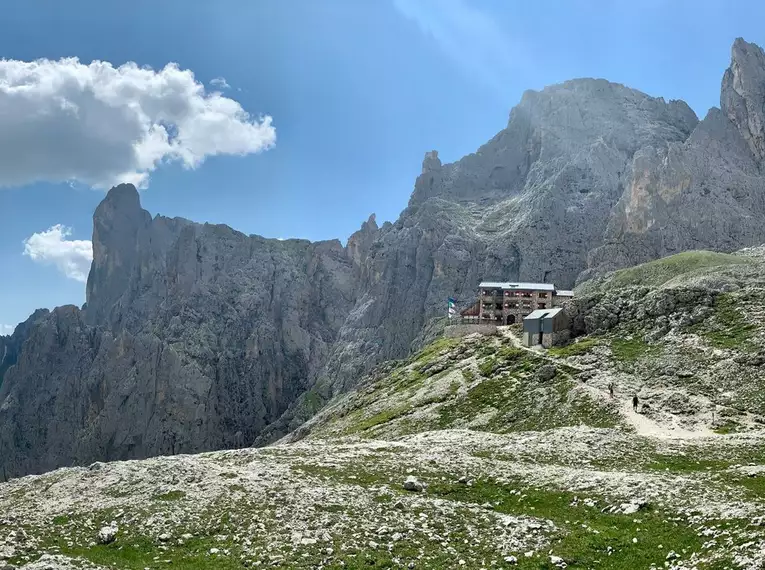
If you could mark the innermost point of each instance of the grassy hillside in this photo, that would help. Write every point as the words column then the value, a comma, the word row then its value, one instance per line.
column 660, row 271
column 482, row 383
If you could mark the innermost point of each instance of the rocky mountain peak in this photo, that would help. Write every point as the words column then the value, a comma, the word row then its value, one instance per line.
column 431, row 161
column 125, row 193
column 116, row 224
column 742, row 97
column 360, row 242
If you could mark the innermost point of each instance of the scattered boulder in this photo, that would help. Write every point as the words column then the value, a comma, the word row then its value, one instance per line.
column 108, row 534
column 629, row 508
column 558, row 561
column 633, row 506
column 413, row 484
column 546, row 372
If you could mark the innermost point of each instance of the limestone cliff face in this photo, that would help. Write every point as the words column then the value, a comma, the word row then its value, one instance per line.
column 194, row 337
column 707, row 192
column 199, row 337
column 743, row 94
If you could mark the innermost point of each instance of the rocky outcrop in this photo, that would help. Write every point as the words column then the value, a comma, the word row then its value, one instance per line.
column 195, row 336
column 10, row 346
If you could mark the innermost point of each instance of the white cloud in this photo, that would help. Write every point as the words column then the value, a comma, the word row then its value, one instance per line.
column 470, row 37
column 100, row 125
column 51, row 247
column 220, row 83
column 6, row 330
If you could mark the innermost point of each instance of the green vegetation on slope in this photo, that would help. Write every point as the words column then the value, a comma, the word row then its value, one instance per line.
column 587, row 536
column 170, row 496
column 631, row 348
column 582, row 346
column 658, row 272
column 729, row 328
column 484, row 384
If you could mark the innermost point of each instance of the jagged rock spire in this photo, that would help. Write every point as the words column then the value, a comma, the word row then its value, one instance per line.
column 742, row 96
column 431, row 161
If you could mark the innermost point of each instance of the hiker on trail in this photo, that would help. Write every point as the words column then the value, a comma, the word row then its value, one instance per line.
column 635, row 402
column 611, row 389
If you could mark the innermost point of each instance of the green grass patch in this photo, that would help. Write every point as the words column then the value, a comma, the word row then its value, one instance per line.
column 574, row 349
column 504, row 356
column 727, row 427
column 488, row 367
column 117, row 492
column 138, row 552
column 584, row 536
column 656, row 273
column 631, row 349
column 755, row 485
column 433, row 349
column 170, row 496
column 488, row 393
column 729, row 328
column 511, row 353
column 520, row 402
column 685, row 463
column 379, row 418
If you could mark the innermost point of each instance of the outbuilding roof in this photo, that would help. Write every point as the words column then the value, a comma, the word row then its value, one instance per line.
column 564, row 293
column 543, row 314
column 517, row 285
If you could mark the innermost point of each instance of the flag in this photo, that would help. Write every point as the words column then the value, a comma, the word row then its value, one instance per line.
column 452, row 309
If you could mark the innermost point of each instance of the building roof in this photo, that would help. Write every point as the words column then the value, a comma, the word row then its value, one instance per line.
column 520, row 285
column 564, row 293
column 543, row 314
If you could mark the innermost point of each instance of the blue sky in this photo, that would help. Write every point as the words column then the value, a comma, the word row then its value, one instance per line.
column 358, row 92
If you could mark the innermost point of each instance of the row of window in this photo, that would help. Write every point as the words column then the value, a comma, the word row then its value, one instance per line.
column 527, row 294
column 525, row 304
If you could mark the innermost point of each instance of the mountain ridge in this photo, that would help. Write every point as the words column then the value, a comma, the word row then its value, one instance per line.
column 197, row 337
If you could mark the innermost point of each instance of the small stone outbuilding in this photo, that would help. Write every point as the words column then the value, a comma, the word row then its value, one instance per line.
column 546, row 327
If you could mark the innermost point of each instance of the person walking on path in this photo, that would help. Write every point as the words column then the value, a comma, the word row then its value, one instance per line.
column 611, row 389
column 635, row 403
